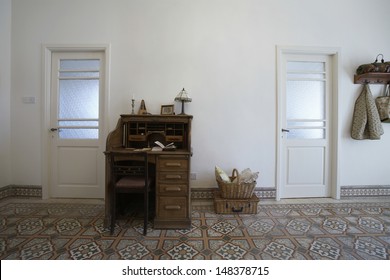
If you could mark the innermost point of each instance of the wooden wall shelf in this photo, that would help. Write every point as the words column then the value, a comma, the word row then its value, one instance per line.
column 372, row 78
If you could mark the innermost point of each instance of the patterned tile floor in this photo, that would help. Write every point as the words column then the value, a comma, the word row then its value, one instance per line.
column 282, row 231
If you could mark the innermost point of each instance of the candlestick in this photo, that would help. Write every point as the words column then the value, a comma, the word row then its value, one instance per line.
column 132, row 105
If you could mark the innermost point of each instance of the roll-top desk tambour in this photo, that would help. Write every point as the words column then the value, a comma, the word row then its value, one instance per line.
column 173, row 205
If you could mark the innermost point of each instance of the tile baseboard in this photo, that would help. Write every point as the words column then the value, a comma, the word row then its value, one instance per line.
column 347, row 192
column 21, row 191
column 207, row 194
column 364, row 191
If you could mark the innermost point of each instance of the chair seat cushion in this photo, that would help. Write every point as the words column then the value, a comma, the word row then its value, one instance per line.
column 131, row 182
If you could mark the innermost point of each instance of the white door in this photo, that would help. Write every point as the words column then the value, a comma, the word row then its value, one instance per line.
column 76, row 102
column 305, row 126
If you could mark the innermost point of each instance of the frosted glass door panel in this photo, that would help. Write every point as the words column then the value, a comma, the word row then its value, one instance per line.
column 306, row 134
column 79, row 133
column 305, row 66
column 78, row 109
column 79, row 99
column 306, row 99
column 79, row 64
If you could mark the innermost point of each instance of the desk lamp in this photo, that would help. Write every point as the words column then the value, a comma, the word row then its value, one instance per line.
column 183, row 97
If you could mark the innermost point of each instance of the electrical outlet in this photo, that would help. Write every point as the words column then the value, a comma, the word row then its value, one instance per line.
column 193, row 176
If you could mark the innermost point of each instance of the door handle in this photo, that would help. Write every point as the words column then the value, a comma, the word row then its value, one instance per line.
column 53, row 129
column 285, row 130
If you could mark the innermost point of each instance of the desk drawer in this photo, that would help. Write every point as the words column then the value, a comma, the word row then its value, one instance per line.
column 173, row 177
column 173, row 189
column 173, row 163
column 172, row 207
column 137, row 137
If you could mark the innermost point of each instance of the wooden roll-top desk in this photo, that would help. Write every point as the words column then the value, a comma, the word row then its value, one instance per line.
column 172, row 167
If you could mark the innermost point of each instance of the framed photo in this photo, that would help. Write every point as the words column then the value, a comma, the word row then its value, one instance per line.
column 167, row 110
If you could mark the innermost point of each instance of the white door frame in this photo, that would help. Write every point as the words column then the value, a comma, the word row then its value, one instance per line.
column 335, row 56
column 47, row 50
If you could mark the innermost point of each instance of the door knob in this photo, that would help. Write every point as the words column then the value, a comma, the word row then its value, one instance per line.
column 53, row 129
column 285, row 130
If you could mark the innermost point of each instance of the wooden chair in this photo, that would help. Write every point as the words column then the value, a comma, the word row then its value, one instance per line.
column 130, row 174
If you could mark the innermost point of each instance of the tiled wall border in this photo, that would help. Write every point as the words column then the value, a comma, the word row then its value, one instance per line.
column 364, row 191
column 347, row 192
column 199, row 194
column 21, row 191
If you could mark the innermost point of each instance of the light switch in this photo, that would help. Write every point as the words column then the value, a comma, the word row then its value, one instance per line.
column 28, row 99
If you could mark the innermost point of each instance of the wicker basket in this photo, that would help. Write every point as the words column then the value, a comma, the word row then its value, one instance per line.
column 234, row 189
column 235, row 206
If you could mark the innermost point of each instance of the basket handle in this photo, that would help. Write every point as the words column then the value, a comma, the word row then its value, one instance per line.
column 234, row 210
column 236, row 174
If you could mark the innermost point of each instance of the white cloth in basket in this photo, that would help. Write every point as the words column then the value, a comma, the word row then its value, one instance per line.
column 247, row 176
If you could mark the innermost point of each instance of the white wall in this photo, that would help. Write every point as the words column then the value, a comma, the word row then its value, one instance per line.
column 5, row 92
column 222, row 51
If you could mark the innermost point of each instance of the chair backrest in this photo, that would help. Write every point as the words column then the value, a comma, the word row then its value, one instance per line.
column 134, row 164
column 129, row 168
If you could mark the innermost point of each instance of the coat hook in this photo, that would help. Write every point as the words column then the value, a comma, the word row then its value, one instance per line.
column 376, row 59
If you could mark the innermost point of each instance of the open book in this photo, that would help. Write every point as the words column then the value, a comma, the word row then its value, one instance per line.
column 161, row 147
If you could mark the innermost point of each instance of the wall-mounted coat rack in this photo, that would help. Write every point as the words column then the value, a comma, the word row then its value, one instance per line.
column 373, row 73
column 372, row 78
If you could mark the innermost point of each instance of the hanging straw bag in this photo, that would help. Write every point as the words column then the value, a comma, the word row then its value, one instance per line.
column 383, row 105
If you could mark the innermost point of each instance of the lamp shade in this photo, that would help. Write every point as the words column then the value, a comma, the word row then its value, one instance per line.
column 183, row 96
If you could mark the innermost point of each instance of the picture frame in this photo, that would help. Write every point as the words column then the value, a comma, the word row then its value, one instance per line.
column 167, row 110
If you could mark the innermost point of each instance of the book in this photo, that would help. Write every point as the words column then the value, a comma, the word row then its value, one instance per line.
column 161, row 147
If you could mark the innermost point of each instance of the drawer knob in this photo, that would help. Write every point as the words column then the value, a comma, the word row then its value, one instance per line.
column 172, row 207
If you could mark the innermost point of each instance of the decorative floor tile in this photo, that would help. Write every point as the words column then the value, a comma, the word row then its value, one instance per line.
column 30, row 226
column 280, row 212
column 37, row 250
column 311, row 211
column 370, row 248
column 371, row 224
column 134, row 252
column 344, row 210
column 230, row 251
column 279, row 251
column 299, row 225
column 85, row 251
column 68, row 225
column 343, row 231
column 325, row 250
column 335, row 224
column 223, row 227
column 373, row 210
column 261, row 226
column 182, row 252
column 140, row 228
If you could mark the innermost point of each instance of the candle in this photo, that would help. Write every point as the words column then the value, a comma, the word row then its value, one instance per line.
column 133, row 97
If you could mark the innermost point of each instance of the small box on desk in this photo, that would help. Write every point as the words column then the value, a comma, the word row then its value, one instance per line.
column 235, row 206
